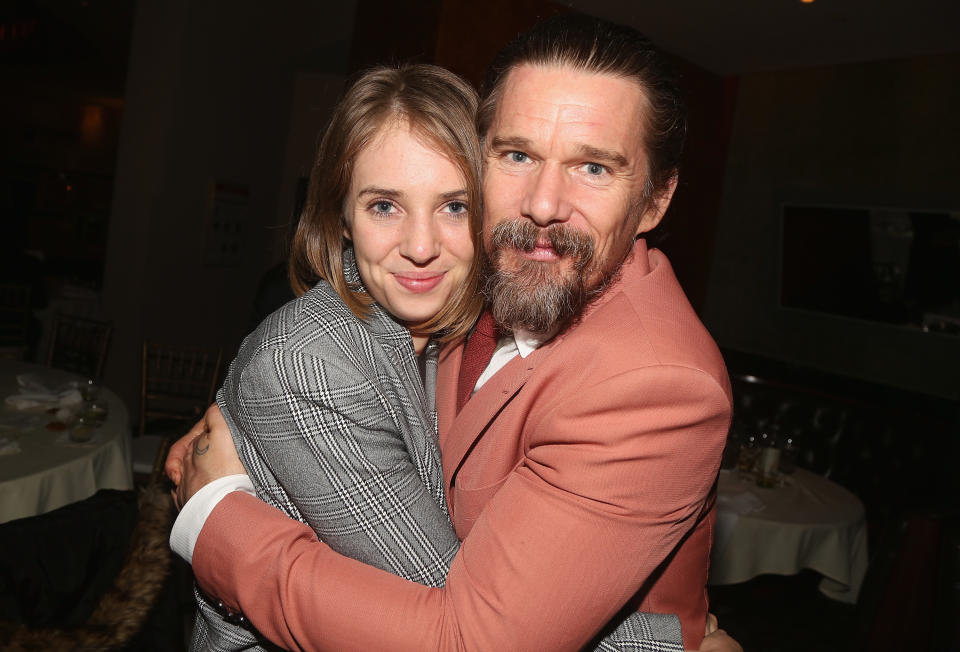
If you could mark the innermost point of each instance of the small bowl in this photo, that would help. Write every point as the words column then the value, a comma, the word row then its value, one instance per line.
column 82, row 431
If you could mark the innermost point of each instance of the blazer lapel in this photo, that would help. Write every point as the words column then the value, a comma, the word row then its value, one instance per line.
column 458, row 432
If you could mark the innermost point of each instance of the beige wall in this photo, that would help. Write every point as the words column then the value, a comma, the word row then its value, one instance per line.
column 210, row 94
column 877, row 134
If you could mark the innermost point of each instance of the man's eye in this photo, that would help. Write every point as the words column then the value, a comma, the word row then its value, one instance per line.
column 518, row 157
column 594, row 169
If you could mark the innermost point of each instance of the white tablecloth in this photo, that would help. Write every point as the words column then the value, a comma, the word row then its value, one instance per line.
column 50, row 471
column 810, row 522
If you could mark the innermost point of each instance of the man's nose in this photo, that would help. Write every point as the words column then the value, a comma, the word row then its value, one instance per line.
column 546, row 201
column 420, row 241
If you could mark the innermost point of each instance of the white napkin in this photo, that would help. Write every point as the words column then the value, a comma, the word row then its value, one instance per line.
column 33, row 383
column 26, row 400
column 740, row 503
column 9, row 446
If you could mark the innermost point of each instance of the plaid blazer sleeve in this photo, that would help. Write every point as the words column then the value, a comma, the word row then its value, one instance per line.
column 323, row 443
column 333, row 427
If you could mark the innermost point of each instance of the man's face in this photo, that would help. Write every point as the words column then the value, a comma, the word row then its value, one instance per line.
column 562, row 190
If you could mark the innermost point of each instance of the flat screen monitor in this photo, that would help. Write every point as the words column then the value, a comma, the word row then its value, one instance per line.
column 891, row 265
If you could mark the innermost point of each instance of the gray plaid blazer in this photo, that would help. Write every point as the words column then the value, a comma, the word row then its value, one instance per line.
column 335, row 422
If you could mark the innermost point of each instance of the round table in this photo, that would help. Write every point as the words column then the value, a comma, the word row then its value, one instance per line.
column 808, row 522
column 50, row 471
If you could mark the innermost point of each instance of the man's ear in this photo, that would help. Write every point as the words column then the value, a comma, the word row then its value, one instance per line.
column 657, row 208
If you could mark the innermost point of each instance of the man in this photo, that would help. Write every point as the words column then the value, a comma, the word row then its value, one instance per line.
column 580, row 472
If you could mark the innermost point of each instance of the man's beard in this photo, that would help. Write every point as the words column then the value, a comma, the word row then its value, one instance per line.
column 541, row 297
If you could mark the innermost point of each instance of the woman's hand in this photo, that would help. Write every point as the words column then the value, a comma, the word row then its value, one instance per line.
column 203, row 455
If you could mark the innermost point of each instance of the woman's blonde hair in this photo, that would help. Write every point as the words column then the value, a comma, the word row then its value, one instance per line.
column 440, row 108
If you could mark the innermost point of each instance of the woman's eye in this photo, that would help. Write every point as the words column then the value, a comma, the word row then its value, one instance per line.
column 518, row 157
column 382, row 207
column 456, row 207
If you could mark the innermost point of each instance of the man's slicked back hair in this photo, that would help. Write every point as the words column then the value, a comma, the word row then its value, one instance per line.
column 592, row 45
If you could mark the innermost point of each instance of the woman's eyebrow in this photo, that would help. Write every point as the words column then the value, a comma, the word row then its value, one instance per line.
column 386, row 192
column 454, row 194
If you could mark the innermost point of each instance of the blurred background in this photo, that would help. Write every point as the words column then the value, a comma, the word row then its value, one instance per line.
column 155, row 153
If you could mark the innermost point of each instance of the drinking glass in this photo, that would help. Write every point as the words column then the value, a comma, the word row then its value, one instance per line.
column 89, row 390
column 82, row 430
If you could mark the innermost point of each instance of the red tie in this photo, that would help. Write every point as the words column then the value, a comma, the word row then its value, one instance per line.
column 476, row 356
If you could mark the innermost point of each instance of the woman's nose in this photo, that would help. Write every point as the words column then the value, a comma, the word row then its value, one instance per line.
column 420, row 241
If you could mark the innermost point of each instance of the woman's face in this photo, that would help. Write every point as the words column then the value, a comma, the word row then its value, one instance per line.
column 407, row 216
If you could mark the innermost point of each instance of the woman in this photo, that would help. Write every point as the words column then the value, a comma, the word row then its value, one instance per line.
column 326, row 399
column 331, row 409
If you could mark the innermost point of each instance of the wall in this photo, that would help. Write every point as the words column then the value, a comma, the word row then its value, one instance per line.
column 881, row 134
column 209, row 98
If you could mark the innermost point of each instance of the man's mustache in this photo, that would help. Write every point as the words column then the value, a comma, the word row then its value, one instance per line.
column 523, row 235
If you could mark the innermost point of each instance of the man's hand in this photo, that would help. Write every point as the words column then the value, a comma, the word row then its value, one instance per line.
column 203, row 455
column 173, row 467
column 717, row 640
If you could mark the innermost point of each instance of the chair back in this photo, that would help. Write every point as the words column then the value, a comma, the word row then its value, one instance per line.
column 14, row 319
column 78, row 344
column 178, row 383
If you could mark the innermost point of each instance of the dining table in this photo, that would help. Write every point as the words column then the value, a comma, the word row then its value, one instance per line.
column 41, row 467
column 804, row 521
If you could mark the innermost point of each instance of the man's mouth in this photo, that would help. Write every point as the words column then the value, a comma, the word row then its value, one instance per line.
column 542, row 251
column 543, row 244
column 418, row 282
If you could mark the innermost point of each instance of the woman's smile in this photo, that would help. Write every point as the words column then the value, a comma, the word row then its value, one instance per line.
column 419, row 282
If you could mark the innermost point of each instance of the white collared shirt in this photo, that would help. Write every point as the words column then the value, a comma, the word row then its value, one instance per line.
column 521, row 343
column 187, row 526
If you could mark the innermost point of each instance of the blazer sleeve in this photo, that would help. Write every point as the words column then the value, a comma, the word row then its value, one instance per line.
column 610, row 484
column 327, row 437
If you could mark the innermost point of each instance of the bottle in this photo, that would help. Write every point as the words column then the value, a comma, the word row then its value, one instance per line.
column 788, row 455
column 749, row 450
column 769, row 459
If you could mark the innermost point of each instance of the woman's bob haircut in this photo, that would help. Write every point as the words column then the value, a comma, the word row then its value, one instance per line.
column 440, row 108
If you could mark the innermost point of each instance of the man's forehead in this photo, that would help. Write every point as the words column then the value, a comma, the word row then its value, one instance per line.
column 591, row 105
column 564, row 84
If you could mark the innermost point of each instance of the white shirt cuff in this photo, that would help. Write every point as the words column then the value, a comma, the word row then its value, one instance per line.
column 186, row 529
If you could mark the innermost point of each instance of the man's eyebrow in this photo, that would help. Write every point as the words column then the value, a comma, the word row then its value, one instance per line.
column 600, row 155
column 512, row 142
